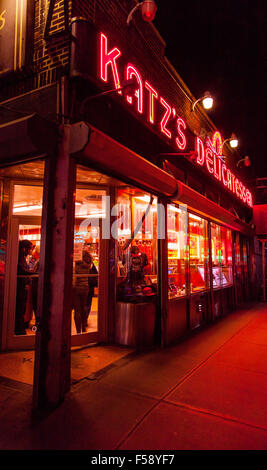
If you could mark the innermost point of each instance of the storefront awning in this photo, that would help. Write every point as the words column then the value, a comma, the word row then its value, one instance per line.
column 26, row 137
column 95, row 147
column 108, row 155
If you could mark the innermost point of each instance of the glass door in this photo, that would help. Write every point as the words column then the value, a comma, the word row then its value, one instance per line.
column 88, row 282
column 22, row 274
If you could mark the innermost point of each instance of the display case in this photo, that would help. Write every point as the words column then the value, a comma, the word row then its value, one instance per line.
column 226, row 257
column 136, row 238
column 221, row 254
column 136, row 247
column 198, row 253
column 177, row 251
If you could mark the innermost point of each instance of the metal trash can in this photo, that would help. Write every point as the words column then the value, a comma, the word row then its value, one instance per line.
column 135, row 324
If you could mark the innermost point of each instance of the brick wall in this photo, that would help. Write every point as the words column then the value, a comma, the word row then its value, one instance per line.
column 50, row 58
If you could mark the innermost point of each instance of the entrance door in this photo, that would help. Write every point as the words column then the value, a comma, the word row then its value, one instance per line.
column 90, row 268
column 21, row 289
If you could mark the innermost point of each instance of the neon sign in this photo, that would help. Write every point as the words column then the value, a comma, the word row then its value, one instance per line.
column 147, row 101
column 207, row 156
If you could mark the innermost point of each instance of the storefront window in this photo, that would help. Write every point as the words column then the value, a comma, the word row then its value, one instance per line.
column 238, row 267
column 24, row 254
column 226, row 257
column 90, row 211
column 245, row 256
column 177, row 251
column 136, row 238
column 216, row 256
column 237, row 251
column 198, row 254
column 27, row 208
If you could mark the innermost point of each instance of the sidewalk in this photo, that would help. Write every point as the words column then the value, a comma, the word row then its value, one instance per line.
column 208, row 392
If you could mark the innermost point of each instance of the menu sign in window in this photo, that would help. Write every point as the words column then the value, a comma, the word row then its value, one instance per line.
column 15, row 22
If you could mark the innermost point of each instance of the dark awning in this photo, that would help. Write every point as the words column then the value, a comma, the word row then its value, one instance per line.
column 26, row 137
column 111, row 157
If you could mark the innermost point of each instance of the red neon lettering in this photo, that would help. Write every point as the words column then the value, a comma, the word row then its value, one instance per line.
column 165, row 118
column 199, row 146
column 241, row 189
column 233, row 183
column 109, row 58
column 152, row 95
column 249, row 198
column 229, row 179
column 181, row 143
column 209, row 160
column 209, row 153
column 131, row 72
column 225, row 181
column 244, row 193
column 217, row 142
column 217, row 162
column 237, row 187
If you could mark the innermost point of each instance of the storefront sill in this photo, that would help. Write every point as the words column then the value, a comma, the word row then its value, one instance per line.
column 182, row 297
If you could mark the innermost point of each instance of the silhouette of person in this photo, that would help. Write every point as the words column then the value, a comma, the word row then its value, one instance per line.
column 23, row 269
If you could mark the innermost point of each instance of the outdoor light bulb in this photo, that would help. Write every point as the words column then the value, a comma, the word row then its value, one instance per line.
column 148, row 9
column 247, row 161
column 207, row 101
column 234, row 142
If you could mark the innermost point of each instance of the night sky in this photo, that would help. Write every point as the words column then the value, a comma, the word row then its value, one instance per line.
column 221, row 46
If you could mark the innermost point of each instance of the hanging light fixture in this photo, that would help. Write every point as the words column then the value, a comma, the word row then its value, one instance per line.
column 233, row 141
column 246, row 160
column 206, row 99
column 148, row 10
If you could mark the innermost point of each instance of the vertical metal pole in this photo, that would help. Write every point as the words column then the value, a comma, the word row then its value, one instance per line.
column 162, row 310
column 111, row 265
column 5, row 200
column 212, row 313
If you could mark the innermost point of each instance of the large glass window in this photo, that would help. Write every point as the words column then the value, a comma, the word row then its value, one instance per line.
column 177, row 251
column 27, row 207
column 216, row 255
column 135, row 231
column 198, row 253
column 24, row 254
column 226, row 257
column 221, row 252
column 90, row 211
column 245, row 256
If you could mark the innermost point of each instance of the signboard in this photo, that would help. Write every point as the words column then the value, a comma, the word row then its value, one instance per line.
column 106, row 64
column 15, row 19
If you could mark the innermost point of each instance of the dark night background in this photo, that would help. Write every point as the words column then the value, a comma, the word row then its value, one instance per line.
column 221, row 46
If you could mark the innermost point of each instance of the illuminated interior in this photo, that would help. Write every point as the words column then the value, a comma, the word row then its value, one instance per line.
column 90, row 213
column 198, row 253
column 27, row 211
column 177, row 251
column 134, row 225
column 221, row 254
column 136, row 235
column 28, row 200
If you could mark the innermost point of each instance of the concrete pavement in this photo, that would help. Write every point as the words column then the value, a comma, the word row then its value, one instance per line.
column 208, row 392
